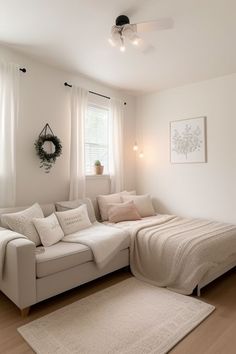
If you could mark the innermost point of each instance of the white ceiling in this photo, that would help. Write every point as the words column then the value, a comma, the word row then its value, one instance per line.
column 73, row 34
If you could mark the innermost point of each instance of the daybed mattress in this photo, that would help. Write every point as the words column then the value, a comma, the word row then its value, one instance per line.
column 176, row 252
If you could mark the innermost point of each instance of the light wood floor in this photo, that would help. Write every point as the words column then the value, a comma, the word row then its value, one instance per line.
column 216, row 335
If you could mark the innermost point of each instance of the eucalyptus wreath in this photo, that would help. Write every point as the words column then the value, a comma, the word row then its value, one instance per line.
column 48, row 159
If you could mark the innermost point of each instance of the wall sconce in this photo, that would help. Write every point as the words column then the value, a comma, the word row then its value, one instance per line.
column 141, row 154
column 135, row 147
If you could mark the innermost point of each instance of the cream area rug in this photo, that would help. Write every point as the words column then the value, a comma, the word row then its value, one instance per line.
column 131, row 317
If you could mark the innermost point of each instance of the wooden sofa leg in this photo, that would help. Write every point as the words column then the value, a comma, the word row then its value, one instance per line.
column 25, row 311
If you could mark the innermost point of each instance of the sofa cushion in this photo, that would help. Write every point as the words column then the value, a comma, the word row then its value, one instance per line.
column 64, row 255
column 61, row 256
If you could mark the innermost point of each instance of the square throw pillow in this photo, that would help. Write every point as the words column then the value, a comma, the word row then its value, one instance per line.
column 73, row 220
column 123, row 212
column 142, row 202
column 104, row 200
column 22, row 222
column 49, row 230
column 72, row 204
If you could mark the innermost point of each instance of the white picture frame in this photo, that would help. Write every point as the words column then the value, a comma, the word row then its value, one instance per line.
column 188, row 140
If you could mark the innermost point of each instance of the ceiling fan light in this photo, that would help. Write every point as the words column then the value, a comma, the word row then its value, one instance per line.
column 135, row 40
column 111, row 41
column 128, row 31
column 122, row 48
column 122, row 45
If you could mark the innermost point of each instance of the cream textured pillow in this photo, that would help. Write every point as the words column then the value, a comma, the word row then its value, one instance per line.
column 123, row 212
column 142, row 202
column 104, row 200
column 22, row 223
column 73, row 220
column 72, row 204
column 49, row 230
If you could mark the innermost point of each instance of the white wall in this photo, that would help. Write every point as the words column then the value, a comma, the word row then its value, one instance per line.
column 45, row 99
column 200, row 190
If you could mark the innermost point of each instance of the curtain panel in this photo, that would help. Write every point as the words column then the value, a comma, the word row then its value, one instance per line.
column 79, row 103
column 9, row 98
column 116, row 153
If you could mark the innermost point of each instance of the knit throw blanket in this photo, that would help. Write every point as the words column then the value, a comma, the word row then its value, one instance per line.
column 5, row 237
column 177, row 253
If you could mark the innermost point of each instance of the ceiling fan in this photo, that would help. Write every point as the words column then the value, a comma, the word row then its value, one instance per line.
column 123, row 30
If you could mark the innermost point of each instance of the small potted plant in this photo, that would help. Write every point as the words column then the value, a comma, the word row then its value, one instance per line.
column 98, row 168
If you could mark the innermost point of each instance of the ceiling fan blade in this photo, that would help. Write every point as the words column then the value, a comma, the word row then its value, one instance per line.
column 160, row 24
column 137, row 6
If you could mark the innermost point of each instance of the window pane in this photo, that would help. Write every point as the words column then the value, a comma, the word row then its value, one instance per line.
column 96, row 138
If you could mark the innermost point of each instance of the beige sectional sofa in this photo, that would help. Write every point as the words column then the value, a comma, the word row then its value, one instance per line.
column 32, row 274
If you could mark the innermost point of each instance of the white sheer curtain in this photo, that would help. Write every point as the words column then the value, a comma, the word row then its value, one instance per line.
column 79, row 101
column 9, row 96
column 116, row 158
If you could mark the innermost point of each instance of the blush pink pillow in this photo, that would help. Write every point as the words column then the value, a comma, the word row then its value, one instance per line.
column 123, row 212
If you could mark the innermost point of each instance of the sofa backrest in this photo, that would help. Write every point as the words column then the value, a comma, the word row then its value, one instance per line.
column 48, row 209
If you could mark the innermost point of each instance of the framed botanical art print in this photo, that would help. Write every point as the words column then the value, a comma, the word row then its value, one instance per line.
column 188, row 140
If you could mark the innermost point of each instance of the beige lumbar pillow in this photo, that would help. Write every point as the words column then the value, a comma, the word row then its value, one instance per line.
column 104, row 200
column 22, row 222
column 123, row 212
column 74, row 220
column 49, row 230
column 142, row 202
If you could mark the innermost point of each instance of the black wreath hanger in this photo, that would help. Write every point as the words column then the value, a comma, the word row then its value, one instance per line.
column 47, row 159
column 45, row 130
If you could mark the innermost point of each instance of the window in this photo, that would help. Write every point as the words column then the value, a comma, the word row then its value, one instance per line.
column 96, row 138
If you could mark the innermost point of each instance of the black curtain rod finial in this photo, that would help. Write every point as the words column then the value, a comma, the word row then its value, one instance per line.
column 66, row 84
column 23, row 70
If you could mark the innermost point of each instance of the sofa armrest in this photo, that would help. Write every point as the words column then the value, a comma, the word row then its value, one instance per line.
column 19, row 274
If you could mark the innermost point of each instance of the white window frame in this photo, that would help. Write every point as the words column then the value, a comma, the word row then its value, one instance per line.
column 93, row 175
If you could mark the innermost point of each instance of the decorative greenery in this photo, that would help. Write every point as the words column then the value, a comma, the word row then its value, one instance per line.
column 48, row 159
column 97, row 163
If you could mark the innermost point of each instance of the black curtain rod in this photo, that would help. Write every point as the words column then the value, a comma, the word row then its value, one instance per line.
column 94, row 93
column 23, row 70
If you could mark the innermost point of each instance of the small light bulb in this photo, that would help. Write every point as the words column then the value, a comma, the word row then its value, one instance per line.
column 141, row 155
column 135, row 147
column 122, row 48
column 136, row 41
column 112, row 43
